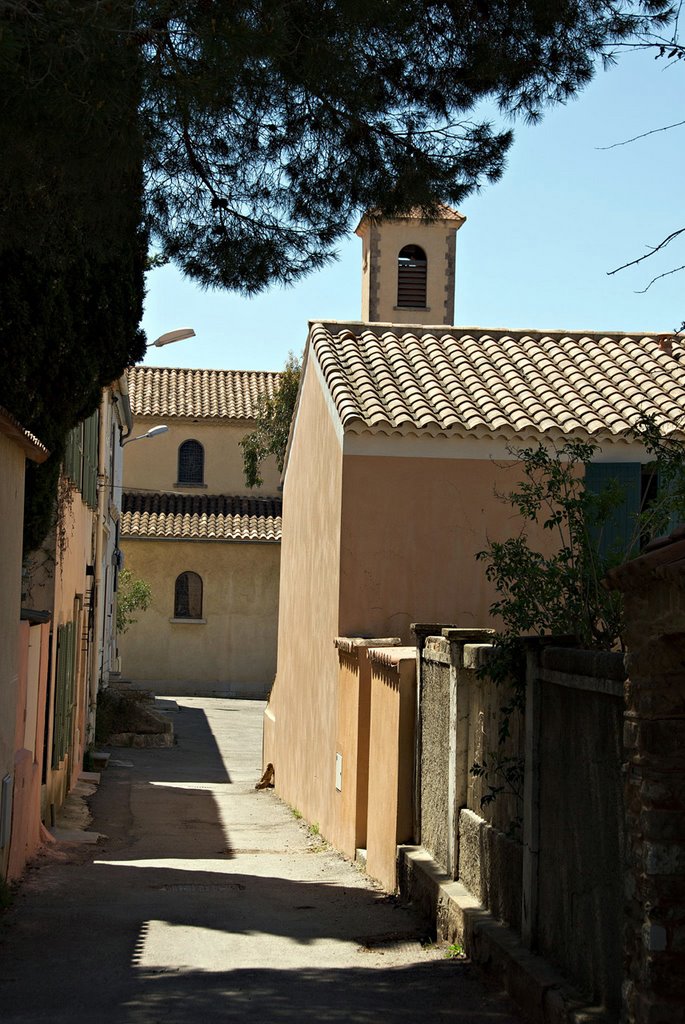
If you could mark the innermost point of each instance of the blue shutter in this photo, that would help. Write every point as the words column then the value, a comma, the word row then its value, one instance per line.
column 620, row 533
column 671, row 488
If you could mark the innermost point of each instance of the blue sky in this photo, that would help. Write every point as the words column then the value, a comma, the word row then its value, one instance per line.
column 534, row 252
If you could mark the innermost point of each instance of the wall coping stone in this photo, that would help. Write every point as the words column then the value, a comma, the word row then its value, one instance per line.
column 476, row 655
column 392, row 657
column 421, row 630
column 437, row 649
column 349, row 644
column 467, row 635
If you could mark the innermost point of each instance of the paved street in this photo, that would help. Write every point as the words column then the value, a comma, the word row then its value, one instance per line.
column 209, row 901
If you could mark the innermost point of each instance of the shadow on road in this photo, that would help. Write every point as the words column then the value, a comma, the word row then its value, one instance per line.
column 196, row 908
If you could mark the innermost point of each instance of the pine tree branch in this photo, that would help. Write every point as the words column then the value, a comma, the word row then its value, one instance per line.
column 652, row 250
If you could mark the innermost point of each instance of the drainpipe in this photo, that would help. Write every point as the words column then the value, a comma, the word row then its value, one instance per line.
column 123, row 408
column 100, row 520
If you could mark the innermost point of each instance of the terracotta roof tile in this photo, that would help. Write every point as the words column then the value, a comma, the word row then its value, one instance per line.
column 168, row 391
column 10, row 425
column 200, row 517
column 442, row 213
column 470, row 381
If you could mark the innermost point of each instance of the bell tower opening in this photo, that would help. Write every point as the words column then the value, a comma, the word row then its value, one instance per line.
column 412, row 272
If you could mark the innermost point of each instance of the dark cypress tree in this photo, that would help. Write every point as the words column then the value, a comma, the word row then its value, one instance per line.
column 244, row 137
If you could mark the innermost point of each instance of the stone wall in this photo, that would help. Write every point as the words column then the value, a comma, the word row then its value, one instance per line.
column 545, row 858
column 471, row 840
column 654, row 738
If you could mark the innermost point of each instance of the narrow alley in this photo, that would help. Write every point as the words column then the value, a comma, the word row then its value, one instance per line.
column 208, row 900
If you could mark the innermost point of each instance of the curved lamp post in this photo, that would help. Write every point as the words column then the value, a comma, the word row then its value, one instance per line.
column 180, row 334
column 152, row 432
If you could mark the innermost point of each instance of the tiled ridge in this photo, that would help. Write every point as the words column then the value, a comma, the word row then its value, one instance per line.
column 168, row 391
column 163, row 516
column 478, row 383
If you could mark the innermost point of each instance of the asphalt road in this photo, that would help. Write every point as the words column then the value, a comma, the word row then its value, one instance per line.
column 209, row 901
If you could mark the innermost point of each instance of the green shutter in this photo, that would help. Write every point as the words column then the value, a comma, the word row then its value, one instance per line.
column 58, row 722
column 81, row 458
column 65, row 692
column 620, row 533
column 73, row 456
column 90, row 460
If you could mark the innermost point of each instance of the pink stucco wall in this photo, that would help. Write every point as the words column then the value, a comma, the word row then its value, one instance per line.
column 29, row 746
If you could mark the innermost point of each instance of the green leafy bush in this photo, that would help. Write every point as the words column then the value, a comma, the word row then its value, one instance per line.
column 133, row 594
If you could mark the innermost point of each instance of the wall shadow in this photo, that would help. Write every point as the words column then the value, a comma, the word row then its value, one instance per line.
column 138, row 976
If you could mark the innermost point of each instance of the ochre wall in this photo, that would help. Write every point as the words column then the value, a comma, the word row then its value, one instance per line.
column 411, row 529
column 152, row 464
column 234, row 651
column 391, row 760
column 301, row 720
column 348, row 830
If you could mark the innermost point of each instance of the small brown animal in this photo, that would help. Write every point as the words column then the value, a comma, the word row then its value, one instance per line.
column 267, row 779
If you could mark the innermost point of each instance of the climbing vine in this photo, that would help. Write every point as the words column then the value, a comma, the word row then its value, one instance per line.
column 561, row 593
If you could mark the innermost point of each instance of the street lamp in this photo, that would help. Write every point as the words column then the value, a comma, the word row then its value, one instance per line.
column 152, row 432
column 180, row 334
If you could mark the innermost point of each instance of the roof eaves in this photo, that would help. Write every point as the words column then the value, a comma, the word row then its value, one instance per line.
column 11, row 427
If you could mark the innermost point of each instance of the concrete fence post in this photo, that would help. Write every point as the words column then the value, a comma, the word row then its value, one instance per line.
column 460, row 703
column 420, row 631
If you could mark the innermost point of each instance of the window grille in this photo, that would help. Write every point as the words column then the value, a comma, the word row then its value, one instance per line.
column 412, row 270
column 188, row 596
column 191, row 463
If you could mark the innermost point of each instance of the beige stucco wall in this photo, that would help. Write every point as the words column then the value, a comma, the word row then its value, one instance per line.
column 234, row 651
column 300, row 724
column 153, row 463
column 381, row 245
column 12, row 462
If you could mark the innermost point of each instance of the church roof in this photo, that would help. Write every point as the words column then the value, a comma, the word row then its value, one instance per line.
column 199, row 394
column 165, row 516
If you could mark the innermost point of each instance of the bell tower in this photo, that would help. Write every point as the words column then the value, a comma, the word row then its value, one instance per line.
column 408, row 267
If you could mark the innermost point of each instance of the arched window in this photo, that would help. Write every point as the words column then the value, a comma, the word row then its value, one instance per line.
column 191, row 463
column 412, row 268
column 188, row 596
